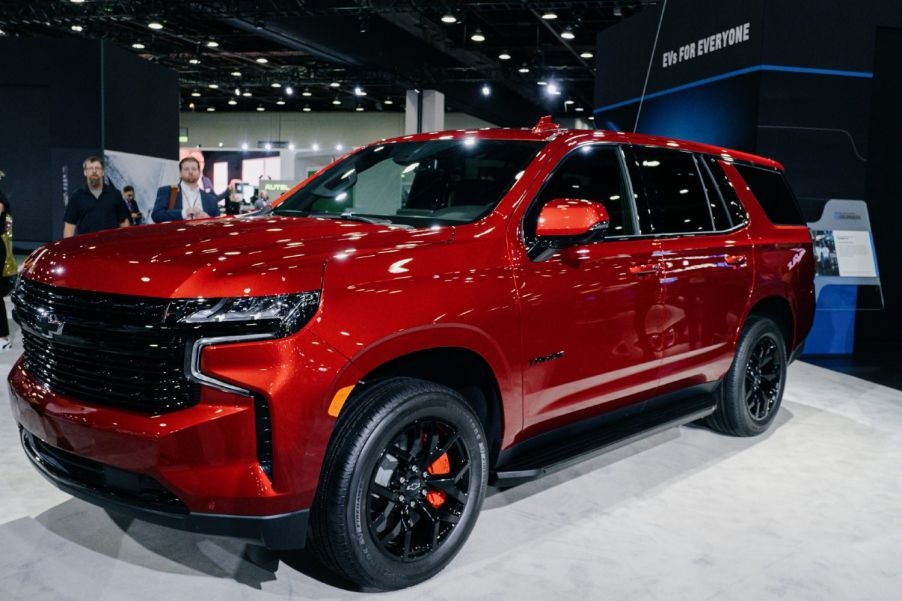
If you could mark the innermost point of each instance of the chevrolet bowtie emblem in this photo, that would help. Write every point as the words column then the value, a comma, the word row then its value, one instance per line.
column 47, row 324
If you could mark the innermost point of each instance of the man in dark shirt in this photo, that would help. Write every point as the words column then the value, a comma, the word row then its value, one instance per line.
column 96, row 207
column 135, row 216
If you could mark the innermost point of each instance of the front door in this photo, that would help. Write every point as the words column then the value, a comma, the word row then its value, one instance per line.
column 591, row 314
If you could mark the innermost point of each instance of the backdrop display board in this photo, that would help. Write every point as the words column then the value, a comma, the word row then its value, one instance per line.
column 145, row 174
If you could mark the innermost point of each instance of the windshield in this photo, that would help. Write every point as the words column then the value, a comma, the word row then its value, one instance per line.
column 439, row 182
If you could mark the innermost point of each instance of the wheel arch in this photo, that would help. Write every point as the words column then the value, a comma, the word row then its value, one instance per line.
column 778, row 309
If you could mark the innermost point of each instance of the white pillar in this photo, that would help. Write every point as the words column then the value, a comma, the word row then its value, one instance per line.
column 433, row 111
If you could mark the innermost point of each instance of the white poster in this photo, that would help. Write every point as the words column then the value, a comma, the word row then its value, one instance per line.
column 854, row 253
column 145, row 174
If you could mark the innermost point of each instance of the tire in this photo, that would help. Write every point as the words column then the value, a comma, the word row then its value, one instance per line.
column 752, row 390
column 387, row 514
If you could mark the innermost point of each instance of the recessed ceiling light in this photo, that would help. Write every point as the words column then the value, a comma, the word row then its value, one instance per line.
column 523, row 69
column 77, row 28
column 236, row 73
column 549, row 15
column 358, row 91
column 388, row 101
column 261, row 109
column 275, row 84
column 212, row 44
column 336, row 101
column 478, row 36
column 244, row 146
column 542, row 82
column 586, row 55
column 246, row 94
column 359, row 109
column 568, row 34
column 579, row 109
column 77, row 1
column 504, row 56
column 220, row 144
column 289, row 90
column 553, row 90
column 315, row 147
column 280, row 102
column 155, row 25
column 196, row 94
column 138, row 46
column 486, row 90
column 307, row 93
column 591, row 118
column 569, row 101
column 306, row 108
column 338, row 147
column 233, row 102
column 291, row 146
column 262, row 60
column 191, row 106
column 214, row 86
column 2, row 32
column 194, row 61
column 210, row 109
column 449, row 19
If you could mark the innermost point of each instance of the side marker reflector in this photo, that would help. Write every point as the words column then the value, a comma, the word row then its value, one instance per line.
column 338, row 401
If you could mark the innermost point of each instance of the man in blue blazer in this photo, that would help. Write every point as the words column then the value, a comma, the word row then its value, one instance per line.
column 186, row 200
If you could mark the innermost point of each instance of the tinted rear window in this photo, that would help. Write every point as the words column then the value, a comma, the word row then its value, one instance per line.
column 773, row 194
column 674, row 190
column 724, row 188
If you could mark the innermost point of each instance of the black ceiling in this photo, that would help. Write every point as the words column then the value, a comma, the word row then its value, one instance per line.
column 382, row 47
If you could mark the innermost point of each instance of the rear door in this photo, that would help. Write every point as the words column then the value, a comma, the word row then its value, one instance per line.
column 707, row 262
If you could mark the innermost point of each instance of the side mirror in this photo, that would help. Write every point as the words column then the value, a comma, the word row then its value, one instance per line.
column 567, row 222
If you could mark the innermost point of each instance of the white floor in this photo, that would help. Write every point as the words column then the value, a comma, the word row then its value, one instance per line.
column 812, row 510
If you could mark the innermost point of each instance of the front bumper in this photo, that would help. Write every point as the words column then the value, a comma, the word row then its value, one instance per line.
column 139, row 496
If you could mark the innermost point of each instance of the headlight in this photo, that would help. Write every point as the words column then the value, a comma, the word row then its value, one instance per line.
column 280, row 315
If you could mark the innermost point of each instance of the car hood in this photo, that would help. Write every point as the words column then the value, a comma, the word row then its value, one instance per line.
column 250, row 256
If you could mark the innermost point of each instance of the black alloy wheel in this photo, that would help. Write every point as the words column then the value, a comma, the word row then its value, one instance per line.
column 763, row 379
column 752, row 389
column 418, row 489
column 402, row 484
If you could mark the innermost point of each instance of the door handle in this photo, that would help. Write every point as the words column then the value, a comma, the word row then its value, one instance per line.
column 735, row 260
column 646, row 269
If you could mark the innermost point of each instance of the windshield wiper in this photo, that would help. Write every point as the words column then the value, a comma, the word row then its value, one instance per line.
column 348, row 216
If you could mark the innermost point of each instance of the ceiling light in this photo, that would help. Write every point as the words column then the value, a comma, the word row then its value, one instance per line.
column 220, row 144
column 196, row 94
column 236, row 73
column 618, row 12
column 138, row 46
column 306, row 93
column 542, row 82
column 569, row 101
column 233, row 102
column 275, row 84
column 523, row 69
column 449, row 19
column 191, row 106
column 77, row 1
column 214, row 86
column 315, row 146
column 477, row 36
column 246, row 94
column 338, row 147
column 77, row 28
column 549, row 15
column 2, row 32
column 291, row 146
column 306, row 108
column 280, row 102
column 334, row 84
column 210, row 109
column 237, row 91
column 553, row 89
column 486, row 90
column 591, row 118
column 194, row 61
column 388, row 101
column 336, row 101
column 212, row 44
column 261, row 109
column 155, row 25
column 289, row 90
column 568, row 34
column 579, row 109
column 504, row 56
column 358, row 91
column 262, row 60
column 586, row 55
column 359, row 109
column 244, row 146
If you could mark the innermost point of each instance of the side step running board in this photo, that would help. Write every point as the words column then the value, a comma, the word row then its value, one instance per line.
column 612, row 434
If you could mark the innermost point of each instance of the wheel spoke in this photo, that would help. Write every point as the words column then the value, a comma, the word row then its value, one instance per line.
column 392, row 533
column 449, row 487
column 380, row 491
column 408, row 536
column 443, row 449
column 383, row 516
column 401, row 455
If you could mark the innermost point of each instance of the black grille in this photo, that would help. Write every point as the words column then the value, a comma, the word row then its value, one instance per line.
column 105, row 349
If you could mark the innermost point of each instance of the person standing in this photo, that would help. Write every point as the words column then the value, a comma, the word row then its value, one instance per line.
column 6, row 285
column 134, row 211
column 186, row 200
column 96, row 207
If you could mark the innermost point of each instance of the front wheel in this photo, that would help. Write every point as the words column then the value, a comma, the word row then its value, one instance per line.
column 752, row 390
column 402, row 485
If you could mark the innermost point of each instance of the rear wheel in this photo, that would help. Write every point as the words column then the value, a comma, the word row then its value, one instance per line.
column 753, row 387
column 402, row 485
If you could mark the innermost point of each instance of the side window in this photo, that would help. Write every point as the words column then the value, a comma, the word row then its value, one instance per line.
column 674, row 191
column 591, row 173
column 773, row 194
column 727, row 194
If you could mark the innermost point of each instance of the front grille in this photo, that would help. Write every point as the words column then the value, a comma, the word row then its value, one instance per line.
column 106, row 349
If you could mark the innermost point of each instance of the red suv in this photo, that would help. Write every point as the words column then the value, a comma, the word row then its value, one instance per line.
column 426, row 316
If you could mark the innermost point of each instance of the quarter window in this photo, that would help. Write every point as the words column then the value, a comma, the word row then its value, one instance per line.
column 728, row 195
column 674, row 191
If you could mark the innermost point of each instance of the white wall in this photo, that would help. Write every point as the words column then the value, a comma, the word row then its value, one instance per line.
column 304, row 129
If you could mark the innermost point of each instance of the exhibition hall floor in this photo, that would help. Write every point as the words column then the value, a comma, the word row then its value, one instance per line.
column 809, row 511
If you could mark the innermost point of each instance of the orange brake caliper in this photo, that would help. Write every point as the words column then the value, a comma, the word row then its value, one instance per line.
column 439, row 467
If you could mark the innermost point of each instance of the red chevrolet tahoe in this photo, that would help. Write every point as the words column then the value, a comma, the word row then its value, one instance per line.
column 424, row 317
